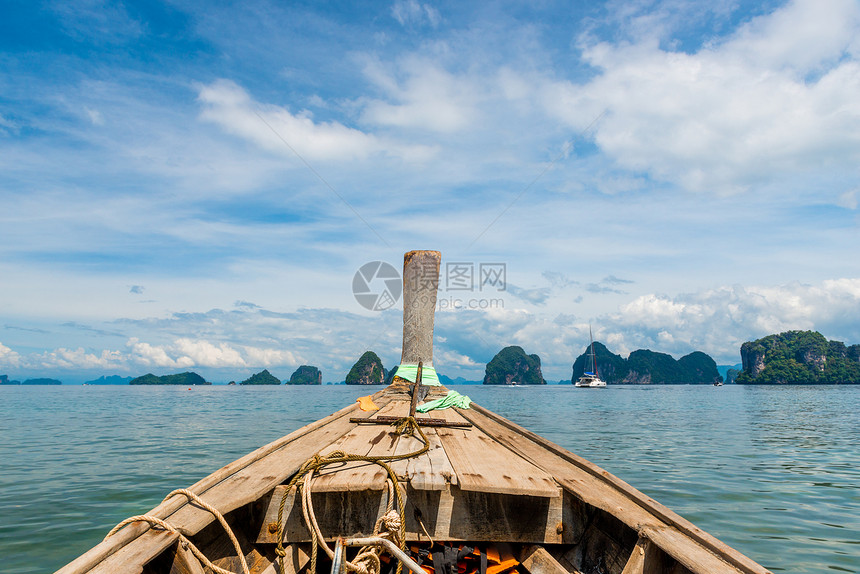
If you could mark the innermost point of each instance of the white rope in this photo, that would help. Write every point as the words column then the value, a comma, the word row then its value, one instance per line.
column 155, row 521
column 367, row 560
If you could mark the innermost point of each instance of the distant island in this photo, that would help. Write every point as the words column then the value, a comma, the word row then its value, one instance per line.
column 42, row 381
column 306, row 375
column 110, row 380
column 264, row 377
column 799, row 358
column 511, row 366
column 645, row 367
column 368, row 370
column 446, row 380
column 4, row 380
column 187, row 379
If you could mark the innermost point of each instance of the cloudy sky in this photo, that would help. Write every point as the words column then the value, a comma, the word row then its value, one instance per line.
column 188, row 186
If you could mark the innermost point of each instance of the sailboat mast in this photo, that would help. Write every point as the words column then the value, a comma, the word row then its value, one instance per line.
column 593, row 357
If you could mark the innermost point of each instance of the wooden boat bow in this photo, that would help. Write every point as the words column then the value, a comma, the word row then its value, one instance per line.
column 483, row 480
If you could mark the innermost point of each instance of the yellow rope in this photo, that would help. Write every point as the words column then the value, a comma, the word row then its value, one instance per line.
column 302, row 481
column 155, row 521
column 395, row 524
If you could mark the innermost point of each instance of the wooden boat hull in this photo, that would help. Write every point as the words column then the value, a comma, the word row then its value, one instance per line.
column 493, row 483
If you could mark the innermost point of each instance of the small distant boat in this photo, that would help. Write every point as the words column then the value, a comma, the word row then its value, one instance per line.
column 718, row 384
column 590, row 380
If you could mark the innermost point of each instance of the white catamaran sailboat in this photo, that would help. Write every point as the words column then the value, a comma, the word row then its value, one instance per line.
column 590, row 380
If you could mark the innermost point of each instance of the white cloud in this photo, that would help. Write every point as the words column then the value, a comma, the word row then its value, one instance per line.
column 429, row 98
column 95, row 117
column 206, row 354
column 7, row 127
column 802, row 36
column 780, row 96
column 63, row 358
column 8, row 357
column 270, row 357
column 148, row 355
column 97, row 20
column 718, row 320
column 411, row 12
column 277, row 130
column 451, row 358
column 849, row 199
column 182, row 353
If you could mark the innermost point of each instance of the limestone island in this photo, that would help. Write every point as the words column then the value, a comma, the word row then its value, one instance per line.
column 306, row 375
column 646, row 367
column 799, row 358
column 42, row 381
column 177, row 379
column 511, row 366
column 264, row 377
column 368, row 370
column 111, row 380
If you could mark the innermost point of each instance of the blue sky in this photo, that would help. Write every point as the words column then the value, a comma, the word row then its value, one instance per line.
column 188, row 186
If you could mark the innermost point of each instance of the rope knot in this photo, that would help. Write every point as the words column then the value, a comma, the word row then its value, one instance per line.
column 391, row 521
column 406, row 425
column 367, row 562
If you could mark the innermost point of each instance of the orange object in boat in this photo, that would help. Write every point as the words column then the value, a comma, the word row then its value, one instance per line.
column 366, row 403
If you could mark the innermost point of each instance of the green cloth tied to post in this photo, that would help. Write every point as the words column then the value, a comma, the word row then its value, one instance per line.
column 452, row 399
column 410, row 373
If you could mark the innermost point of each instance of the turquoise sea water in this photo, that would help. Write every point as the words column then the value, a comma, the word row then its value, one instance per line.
column 774, row 472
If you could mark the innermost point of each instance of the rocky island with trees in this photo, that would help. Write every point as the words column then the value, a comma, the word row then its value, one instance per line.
column 368, row 370
column 264, row 377
column 187, row 379
column 4, row 380
column 799, row 358
column 513, row 366
column 646, row 367
column 306, row 375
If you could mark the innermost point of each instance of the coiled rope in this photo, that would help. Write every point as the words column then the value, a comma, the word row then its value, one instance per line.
column 186, row 543
column 367, row 561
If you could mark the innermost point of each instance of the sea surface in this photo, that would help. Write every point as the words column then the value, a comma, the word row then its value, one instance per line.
column 772, row 471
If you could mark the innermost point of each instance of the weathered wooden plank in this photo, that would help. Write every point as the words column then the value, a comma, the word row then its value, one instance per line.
column 234, row 485
column 446, row 515
column 368, row 440
column 130, row 559
column 645, row 559
column 420, row 284
column 695, row 549
column 430, row 471
column 185, row 562
column 295, row 559
column 338, row 513
column 484, row 465
column 537, row 560
column 452, row 415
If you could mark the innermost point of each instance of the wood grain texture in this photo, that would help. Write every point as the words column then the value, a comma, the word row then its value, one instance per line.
column 689, row 545
column 484, row 465
column 537, row 560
